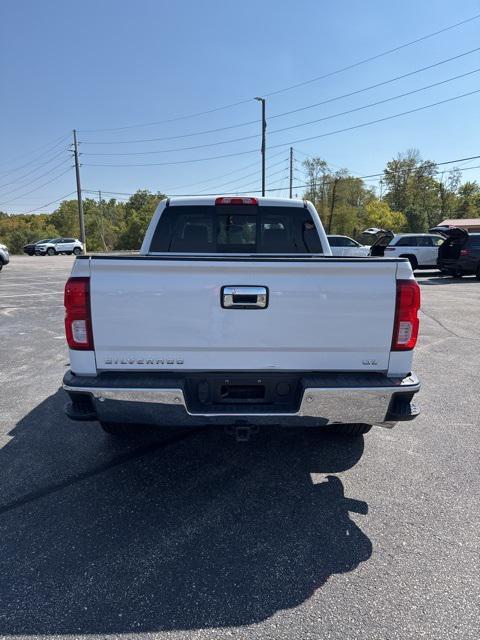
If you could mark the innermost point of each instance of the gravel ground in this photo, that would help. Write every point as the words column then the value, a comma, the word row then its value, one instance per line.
column 189, row 536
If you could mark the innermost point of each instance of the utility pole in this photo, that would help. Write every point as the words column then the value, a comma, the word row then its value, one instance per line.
column 332, row 206
column 291, row 173
column 79, row 192
column 264, row 130
column 102, row 230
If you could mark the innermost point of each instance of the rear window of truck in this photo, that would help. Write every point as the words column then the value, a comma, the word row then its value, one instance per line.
column 235, row 229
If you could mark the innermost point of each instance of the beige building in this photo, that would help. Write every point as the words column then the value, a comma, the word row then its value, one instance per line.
column 470, row 224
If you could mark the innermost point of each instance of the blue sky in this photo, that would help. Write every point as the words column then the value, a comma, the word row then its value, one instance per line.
column 104, row 64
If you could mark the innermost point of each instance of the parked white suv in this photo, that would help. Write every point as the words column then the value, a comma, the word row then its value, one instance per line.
column 345, row 246
column 420, row 248
column 59, row 245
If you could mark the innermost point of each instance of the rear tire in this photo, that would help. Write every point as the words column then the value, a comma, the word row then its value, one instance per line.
column 1, row 266
column 413, row 261
column 77, row 251
column 350, row 430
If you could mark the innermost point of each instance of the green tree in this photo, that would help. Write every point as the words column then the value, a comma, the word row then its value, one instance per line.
column 18, row 230
column 413, row 190
column 139, row 210
column 318, row 177
column 377, row 213
column 448, row 195
column 65, row 219
column 468, row 200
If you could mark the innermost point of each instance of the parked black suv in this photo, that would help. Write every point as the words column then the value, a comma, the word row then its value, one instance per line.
column 29, row 249
column 459, row 255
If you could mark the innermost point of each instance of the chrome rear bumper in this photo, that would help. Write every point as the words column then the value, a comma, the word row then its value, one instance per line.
column 325, row 399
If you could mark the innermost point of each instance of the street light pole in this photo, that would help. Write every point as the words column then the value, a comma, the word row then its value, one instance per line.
column 290, row 185
column 264, row 130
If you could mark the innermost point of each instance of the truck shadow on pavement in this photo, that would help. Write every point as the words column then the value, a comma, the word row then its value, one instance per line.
column 198, row 533
column 433, row 278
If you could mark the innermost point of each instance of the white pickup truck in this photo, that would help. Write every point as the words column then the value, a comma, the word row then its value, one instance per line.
column 235, row 313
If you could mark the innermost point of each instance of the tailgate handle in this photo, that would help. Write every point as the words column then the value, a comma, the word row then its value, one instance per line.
column 234, row 297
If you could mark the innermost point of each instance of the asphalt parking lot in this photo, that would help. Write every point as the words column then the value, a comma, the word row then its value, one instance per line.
column 190, row 535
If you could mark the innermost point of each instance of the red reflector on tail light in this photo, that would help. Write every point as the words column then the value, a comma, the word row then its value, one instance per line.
column 78, row 322
column 235, row 200
column 405, row 328
column 464, row 252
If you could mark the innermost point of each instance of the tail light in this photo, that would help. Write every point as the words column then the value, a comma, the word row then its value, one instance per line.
column 464, row 252
column 405, row 328
column 236, row 200
column 78, row 322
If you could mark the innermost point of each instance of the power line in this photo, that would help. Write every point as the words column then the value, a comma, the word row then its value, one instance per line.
column 369, row 176
column 119, row 193
column 198, row 146
column 384, row 119
column 169, row 120
column 294, row 86
column 201, row 182
column 461, row 169
column 277, row 181
column 45, row 205
column 437, row 164
column 291, row 142
column 297, row 186
column 42, row 175
column 285, row 113
column 235, row 187
column 41, row 186
column 374, row 86
column 184, row 135
column 57, row 155
column 254, row 173
column 371, row 58
column 27, row 164
column 294, row 126
column 303, row 185
column 378, row 102
column 163, row 164
column 225, row 175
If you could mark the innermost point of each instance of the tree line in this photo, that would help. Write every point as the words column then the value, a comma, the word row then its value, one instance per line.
column 414, row 195
column 109, row 224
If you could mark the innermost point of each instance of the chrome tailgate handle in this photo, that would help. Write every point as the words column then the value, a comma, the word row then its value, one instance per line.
column 234, row 297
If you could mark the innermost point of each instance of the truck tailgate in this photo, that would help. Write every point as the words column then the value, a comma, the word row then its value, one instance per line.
column 322, row 314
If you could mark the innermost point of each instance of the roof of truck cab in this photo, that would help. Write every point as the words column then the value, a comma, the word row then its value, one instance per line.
column 182, row 201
